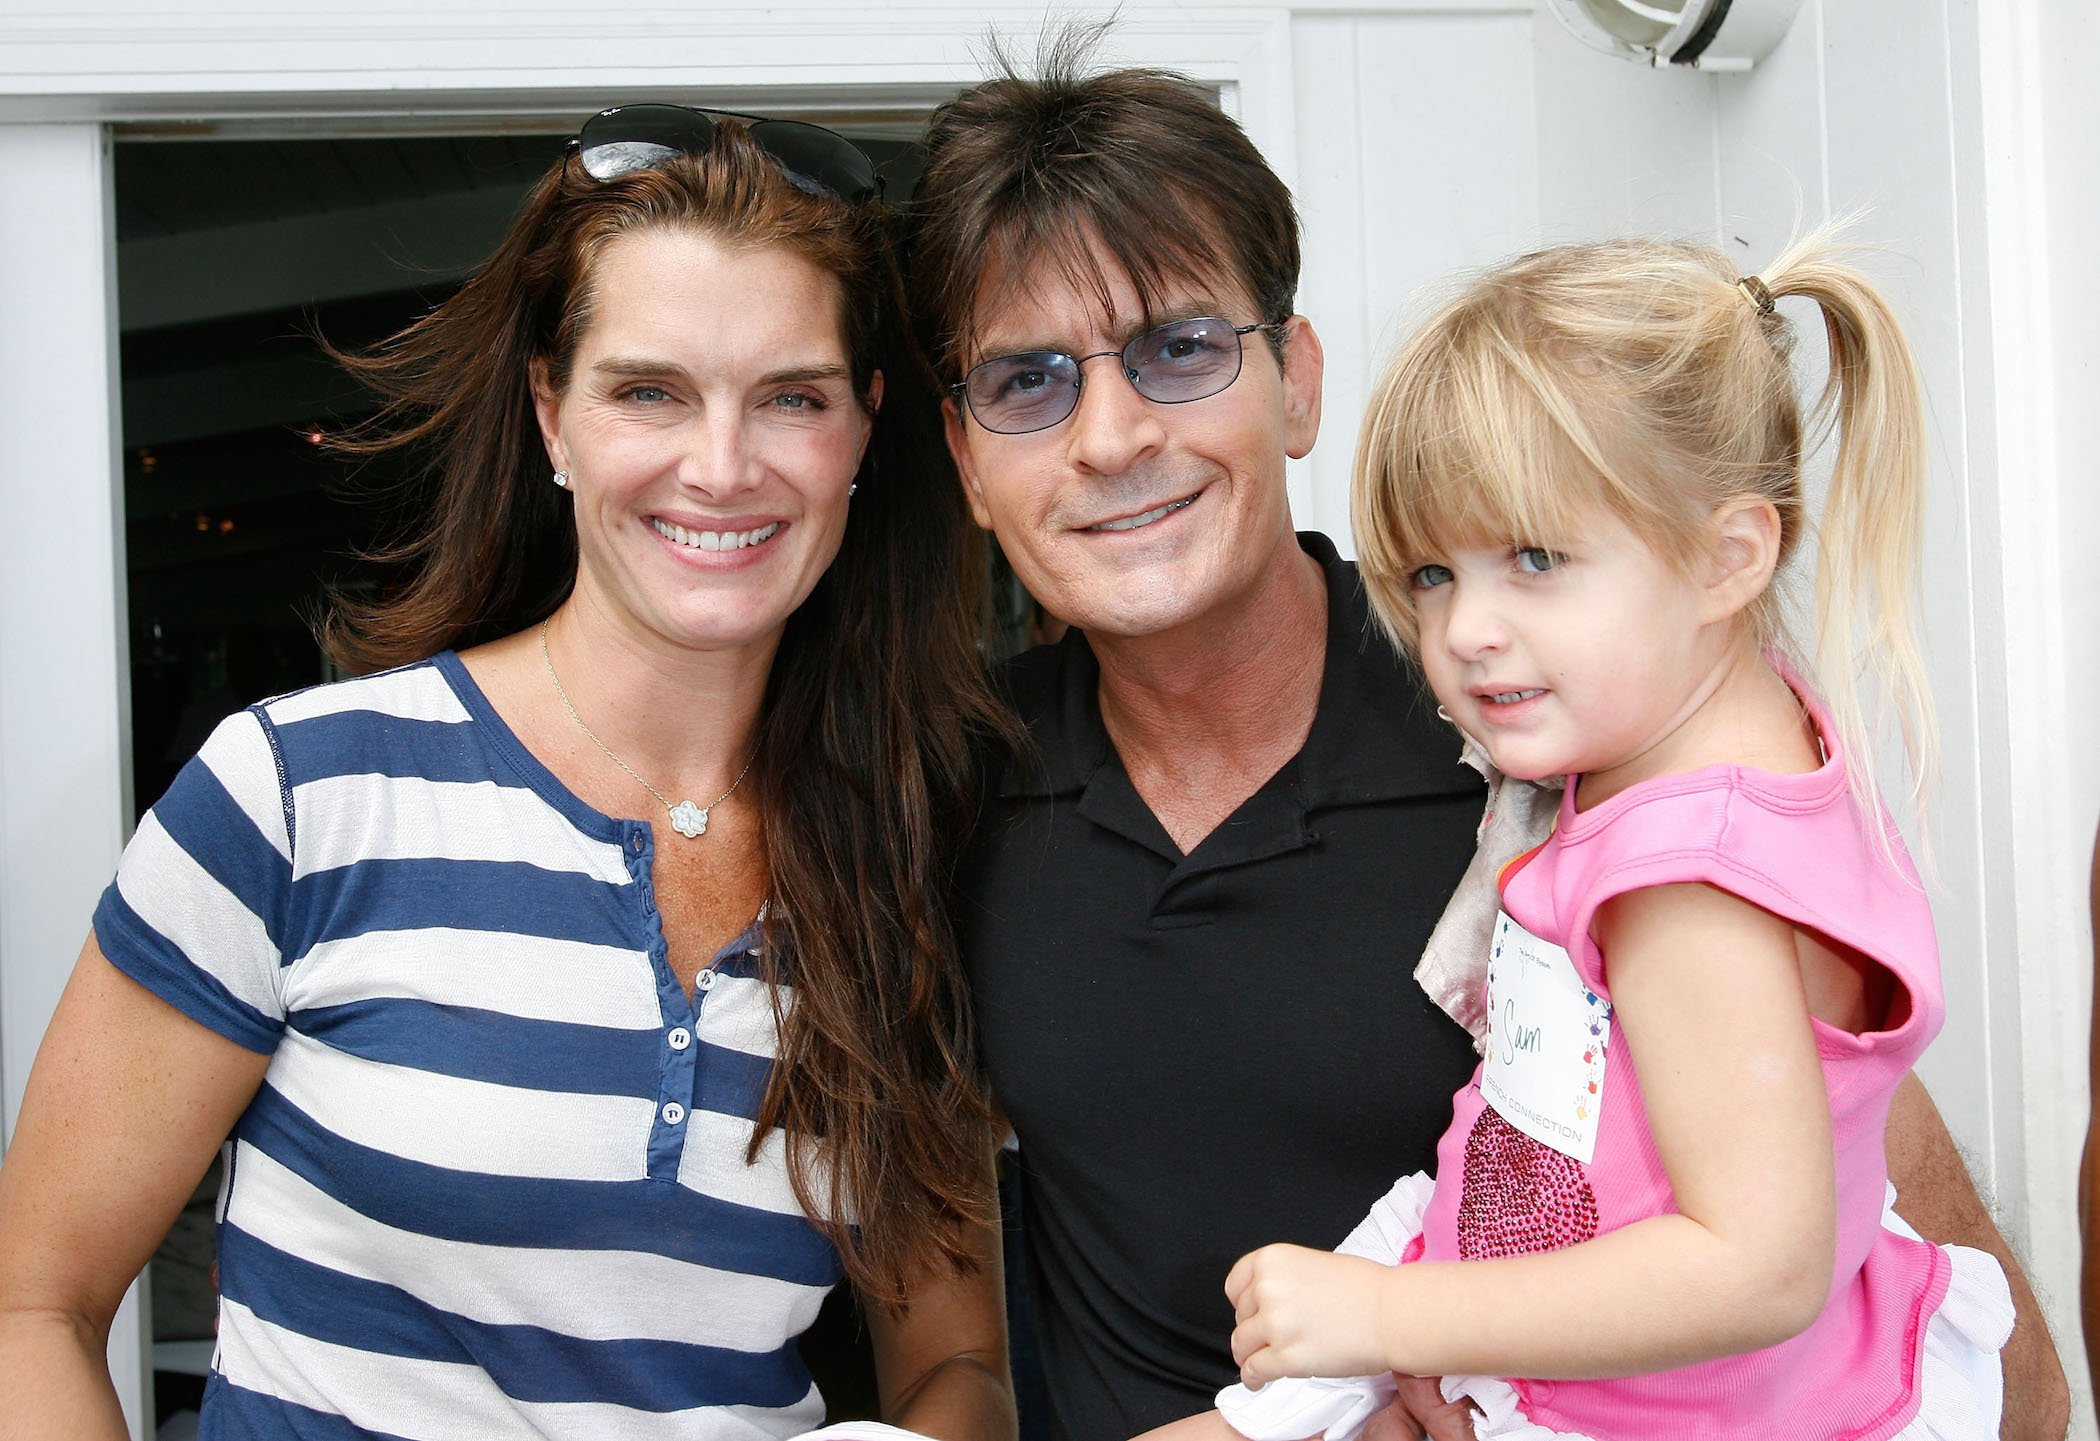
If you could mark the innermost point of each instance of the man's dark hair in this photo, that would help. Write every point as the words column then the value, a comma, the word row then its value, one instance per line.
column 1067, row 171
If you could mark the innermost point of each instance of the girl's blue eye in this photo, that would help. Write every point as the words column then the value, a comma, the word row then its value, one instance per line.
column 1430, row 575
column 1537, row 559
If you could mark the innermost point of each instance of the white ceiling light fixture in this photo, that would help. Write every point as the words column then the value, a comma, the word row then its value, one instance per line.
column 1702, row 34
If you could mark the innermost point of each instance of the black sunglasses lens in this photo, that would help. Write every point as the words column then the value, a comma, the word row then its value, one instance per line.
column 621, row 141
column 628, row 138
column 819, row 159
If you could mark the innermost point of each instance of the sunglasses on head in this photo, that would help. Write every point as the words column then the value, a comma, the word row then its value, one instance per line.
column 628, row 138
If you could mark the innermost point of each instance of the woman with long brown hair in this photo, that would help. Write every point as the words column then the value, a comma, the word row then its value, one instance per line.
column 575, row 996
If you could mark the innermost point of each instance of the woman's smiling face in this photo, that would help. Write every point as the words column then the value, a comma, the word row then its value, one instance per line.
column 711, row 432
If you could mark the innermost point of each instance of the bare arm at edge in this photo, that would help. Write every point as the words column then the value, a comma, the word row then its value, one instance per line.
column 126, row 1104
column 2089, row 1167
column 1936, row 1196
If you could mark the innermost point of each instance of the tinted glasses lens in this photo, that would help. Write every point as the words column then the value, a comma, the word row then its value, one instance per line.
column 820, row 160
column 619, row 142
column 1187, row 360
column 1014, row 394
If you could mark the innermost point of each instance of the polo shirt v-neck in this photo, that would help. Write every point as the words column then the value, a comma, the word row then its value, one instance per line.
column 1203, row 1053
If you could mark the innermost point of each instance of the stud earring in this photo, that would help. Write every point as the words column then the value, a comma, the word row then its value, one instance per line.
column 561, row 478
column 851, row 488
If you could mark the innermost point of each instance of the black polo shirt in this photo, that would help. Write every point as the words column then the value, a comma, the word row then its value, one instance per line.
column 1205, row 1053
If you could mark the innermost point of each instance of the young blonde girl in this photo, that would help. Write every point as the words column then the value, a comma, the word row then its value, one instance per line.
column 1661, row 1208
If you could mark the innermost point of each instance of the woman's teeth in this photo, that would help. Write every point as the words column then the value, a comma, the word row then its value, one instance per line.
column 1134, row 521
column 1511, row 697
column 716, row 539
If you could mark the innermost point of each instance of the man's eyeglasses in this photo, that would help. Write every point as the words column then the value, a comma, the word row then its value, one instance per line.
column 1180, row 361
column 628, row 138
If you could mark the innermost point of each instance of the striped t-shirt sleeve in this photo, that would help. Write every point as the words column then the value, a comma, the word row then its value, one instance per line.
column 195, row 912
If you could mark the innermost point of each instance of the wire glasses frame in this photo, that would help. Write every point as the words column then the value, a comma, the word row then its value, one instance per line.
column 628, row 138
column 1170, row 364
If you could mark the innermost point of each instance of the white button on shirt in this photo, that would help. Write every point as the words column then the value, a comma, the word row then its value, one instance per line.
column 679, row 1038
column 673, row 1113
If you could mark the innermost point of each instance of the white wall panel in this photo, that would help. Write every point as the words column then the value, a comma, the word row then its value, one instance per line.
column 1415, row 161
column 1770, row 128
column 2029, row 121
column 1620, row 148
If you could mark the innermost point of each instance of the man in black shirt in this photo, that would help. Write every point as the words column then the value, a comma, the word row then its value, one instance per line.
column 1208, row 1052
column 1192, row 915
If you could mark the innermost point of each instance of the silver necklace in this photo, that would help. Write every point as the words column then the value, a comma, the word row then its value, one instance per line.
column 687, row 819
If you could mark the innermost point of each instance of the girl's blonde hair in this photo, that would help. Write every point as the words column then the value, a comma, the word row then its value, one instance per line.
column 1648, row 377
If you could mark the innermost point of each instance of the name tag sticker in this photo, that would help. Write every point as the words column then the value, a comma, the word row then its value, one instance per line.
column 1547, row 1040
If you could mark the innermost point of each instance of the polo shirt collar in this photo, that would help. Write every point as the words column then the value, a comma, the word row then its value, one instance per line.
column 1374, row 737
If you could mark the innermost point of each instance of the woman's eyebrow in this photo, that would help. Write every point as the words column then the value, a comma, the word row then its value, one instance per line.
column 833, row 370
column 641, row 367
column 635, row 366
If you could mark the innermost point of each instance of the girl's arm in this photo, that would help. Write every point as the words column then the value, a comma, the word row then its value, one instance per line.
column 1708, row 993
column 126, row 1104
column 940, row 1368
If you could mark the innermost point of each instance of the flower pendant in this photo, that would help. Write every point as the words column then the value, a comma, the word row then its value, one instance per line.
column 688, row 819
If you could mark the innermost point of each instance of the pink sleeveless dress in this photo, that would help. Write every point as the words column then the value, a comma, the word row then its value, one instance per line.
column 1906, row 1324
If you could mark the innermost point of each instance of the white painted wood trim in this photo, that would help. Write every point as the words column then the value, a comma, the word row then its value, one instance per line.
column 2039, row 299
column 65, row 698
column 129, row 60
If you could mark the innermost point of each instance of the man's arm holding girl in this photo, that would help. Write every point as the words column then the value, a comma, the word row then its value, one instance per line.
column 1935, row 1194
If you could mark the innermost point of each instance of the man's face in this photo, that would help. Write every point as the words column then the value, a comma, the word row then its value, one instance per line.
column 1131, row 517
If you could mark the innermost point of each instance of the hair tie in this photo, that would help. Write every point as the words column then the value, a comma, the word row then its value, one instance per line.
column 1754, row 290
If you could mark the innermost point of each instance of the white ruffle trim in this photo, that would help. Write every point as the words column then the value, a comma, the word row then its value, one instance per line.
column 1961, row 1382
column 1335, row 1407
column 1960, row 1377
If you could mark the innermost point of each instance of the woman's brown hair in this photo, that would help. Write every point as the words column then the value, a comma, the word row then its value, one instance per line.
column 863, row 765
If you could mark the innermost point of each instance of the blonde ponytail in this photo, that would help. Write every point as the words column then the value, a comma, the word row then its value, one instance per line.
column 1870, row 534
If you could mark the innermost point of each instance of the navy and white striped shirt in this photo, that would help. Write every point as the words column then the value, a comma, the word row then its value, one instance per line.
column 494, row 1183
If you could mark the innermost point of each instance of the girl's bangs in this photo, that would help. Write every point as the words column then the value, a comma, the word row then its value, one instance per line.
column 1489, row 452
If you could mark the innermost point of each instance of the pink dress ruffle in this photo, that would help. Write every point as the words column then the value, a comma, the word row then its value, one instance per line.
column 1961, row 1381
